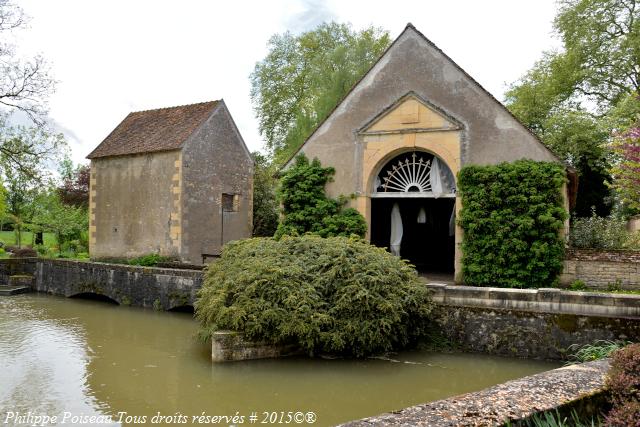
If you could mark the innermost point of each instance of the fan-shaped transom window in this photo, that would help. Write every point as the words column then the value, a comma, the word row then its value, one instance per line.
column 412, row 174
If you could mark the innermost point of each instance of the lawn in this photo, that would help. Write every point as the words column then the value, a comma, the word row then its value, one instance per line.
column 9, row 238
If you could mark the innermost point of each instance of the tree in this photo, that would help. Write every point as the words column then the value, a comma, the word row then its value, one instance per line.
column 627, row 170
column 20, row 192
column 74, row 189
column 573, row 99
column 67, row 222
column 24, row 83
column 603, row 37
column 28, row 150
column 265, row 206
column 306, row 208
column 303, row 78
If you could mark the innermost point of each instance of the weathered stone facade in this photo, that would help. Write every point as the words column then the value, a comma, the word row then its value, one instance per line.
column 602, row 269
column 415, row 98
column 167, row 198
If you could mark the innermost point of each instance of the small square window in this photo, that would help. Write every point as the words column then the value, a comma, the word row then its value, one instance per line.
column 229, row 202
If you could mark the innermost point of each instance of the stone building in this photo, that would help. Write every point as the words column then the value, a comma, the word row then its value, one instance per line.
column 416, row 115
column 174, row 181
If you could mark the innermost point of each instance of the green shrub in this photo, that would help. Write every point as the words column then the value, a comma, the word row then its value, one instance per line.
column 578, row 285
column 330, row 295
column 599, row 233
column 512, row 215
column 149, row 260
column 596, row 351
column 306, row 208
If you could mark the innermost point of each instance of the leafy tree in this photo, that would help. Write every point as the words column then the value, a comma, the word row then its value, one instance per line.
column 74, row 189
column 20, row 193
column 603, row 38
column 627, row 170
column 303, row 77
column 306, row 208
column 67, row 222
column 29, row 150
column 24, row 83
column 575, row 97
column 265, row 206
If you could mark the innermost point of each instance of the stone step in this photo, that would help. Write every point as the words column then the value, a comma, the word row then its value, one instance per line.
column 14, row 290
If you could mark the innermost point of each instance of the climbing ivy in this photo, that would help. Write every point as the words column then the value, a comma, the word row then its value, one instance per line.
column 512, row 215
column 307, row 209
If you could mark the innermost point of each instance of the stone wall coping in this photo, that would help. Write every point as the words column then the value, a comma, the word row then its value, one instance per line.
column 546, row 300
column 514, row 400
column 124, row 267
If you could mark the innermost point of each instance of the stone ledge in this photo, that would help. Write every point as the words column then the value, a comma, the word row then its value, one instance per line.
column 125, row 267
column 230, row 346
column 21, row 280
column 543, row 300
column 514, row 400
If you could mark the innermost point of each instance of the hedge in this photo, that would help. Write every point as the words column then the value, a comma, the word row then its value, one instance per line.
column 512, row 216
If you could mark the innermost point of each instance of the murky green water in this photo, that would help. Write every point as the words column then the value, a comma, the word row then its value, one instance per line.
column 90, row 358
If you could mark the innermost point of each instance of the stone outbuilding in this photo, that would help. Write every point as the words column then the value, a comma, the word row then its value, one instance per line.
column 400, row 136
column 173, row 181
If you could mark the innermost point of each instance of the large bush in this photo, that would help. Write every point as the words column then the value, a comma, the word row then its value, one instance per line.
column 512, row 215
column 335, row 295
column 306, row 208
column 600, row 233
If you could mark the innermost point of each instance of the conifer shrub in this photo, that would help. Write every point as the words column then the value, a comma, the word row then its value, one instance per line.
column 512, row 215
column 333, row 295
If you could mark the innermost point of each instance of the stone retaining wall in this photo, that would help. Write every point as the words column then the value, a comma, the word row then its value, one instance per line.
column 600, row 269
column 565, row 388
column 159, row 288
column 540, row 324
column 16, row 267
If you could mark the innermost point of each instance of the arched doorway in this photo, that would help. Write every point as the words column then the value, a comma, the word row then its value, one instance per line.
column 413, row 211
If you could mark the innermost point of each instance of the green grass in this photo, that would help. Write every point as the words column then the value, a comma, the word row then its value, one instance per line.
column 9, row 238
column 596, row 351
column 554, row 419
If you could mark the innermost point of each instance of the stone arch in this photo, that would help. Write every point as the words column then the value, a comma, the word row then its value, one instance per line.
column 184, row 308
column 392, row 155
column 429, row 243
column 95, row 296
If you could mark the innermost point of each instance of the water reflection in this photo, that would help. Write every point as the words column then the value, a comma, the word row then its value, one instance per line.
column 93, row 358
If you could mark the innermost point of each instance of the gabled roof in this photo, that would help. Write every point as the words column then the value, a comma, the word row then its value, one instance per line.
column 411, row 28
column 154, row 130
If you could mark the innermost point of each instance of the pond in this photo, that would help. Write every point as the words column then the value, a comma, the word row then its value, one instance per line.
column 71, row 358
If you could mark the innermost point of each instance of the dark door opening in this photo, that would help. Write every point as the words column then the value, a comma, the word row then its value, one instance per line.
column 428, row 243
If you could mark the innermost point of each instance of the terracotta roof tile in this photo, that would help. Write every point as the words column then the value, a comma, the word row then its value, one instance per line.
column 154, row 130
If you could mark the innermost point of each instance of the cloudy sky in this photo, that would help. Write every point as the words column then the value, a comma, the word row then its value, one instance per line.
column 113, row 57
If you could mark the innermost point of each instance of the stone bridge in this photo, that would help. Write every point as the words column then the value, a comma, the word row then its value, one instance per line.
column 158, row 288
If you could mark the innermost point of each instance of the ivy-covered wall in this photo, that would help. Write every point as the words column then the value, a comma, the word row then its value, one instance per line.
column 512, row 216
